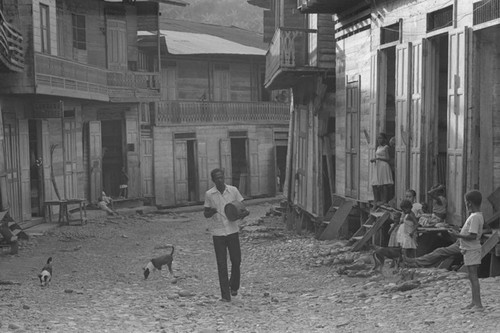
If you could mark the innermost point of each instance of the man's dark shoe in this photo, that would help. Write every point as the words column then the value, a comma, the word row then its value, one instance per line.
column 225, row 300
column 234, row 292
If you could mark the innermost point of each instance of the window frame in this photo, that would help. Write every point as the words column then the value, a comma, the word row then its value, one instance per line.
column 79, row 31
column 45, row 28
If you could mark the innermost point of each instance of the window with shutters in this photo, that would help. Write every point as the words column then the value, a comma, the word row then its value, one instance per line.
column 44, row 28
column 79, row 34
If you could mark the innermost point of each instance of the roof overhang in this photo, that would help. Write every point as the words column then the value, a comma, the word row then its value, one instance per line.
column 329, row 6
column 188, row 43
column 167, row 2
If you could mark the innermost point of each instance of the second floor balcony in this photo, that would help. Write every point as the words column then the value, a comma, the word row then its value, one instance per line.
column 294, row 53
column 62, row 77
column 202, row 112
column 11, row 48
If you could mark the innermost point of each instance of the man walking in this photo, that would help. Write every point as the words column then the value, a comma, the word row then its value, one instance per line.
column 224, row 232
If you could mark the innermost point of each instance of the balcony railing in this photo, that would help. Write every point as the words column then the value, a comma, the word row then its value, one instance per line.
column 289, row 50
column 189, row 112
column 56, row 72
column 11, row 47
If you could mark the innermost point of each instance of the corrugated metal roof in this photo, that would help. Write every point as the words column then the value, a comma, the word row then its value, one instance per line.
column 185, row 43
column 232, row 33
column 168, row 2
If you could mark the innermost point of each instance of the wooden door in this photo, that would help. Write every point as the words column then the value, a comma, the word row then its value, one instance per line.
column 458, row 43
column 352, row 138
column 221, row 82
column 133, row 157
column 181, row 172
column 403, row 56
column 203, row 176
column 95, row 160
column 70, row 159
column 225, row 159
column 24, row 164
column 116, row 34
column 253, row 151
column 417, row 165
column 371, row 137
column 12, row 168
column 48, row 190
column 147, row 165
column 168, row 82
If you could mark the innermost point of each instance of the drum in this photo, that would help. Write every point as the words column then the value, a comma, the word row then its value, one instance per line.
column 235, row 210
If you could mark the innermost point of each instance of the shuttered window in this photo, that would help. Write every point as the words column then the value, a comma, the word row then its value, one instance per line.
column 79, row 34
column 44, row 28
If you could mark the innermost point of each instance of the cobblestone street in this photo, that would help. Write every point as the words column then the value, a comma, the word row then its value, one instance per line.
column 98, row 286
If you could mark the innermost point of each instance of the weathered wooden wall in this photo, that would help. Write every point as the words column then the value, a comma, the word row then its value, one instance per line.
column 210, row 135
column 193, row 78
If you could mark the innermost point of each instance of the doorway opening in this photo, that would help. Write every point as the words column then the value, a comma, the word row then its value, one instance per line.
column 439, row 103
column 112, row 156
column 281, row 166
column 36, row 168
column 239, row 164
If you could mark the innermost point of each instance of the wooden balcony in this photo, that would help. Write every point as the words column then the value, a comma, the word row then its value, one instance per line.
column 197, row 112
column 11, row 48
column 62, row 77
column 294, row 53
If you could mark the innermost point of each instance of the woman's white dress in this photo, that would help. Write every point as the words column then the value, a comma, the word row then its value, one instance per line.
column 382, row 174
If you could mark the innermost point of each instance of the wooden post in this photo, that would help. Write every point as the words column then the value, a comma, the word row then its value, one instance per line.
column 63, row 151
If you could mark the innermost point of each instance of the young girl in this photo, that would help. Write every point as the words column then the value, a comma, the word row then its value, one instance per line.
column 393, row 231
column 382, row 176
column 410, row 225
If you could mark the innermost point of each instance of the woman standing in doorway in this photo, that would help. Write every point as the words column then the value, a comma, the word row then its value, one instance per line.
column 382, row 175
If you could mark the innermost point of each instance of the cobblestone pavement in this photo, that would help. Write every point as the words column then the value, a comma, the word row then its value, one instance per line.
column 290, row 283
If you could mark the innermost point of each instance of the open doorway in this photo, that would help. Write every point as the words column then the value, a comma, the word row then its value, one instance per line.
column 112, row 156
column 439, row 107
column 185, row 168
column 239, row 164
column 281, row 166
column 36, row 168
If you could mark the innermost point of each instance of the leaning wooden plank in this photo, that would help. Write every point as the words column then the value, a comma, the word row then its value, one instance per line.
column 370, row 232
column 337, row 220
column 490, row 243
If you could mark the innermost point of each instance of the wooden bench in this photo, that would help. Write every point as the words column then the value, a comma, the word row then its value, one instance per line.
column 64, row 216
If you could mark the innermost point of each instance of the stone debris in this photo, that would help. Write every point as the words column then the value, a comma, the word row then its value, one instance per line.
column 290, row 283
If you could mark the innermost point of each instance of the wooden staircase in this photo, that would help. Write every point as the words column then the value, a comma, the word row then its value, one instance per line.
column 368, row 229
column 487, row 246
column 336, row 217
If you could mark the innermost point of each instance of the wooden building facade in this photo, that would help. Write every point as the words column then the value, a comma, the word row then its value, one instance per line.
column 215, row 113
column 301, row 58
column 424, row 72
column 71, row 119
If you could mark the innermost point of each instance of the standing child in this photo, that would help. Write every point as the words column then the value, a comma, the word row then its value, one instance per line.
column 123, row 184
column 470, row 245
column 382, row 175
column 416, row 207
column 393, row 231
column 410, row 225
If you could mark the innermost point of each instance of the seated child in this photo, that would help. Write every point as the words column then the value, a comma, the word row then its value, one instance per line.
column 103, row 202
column 439, row 208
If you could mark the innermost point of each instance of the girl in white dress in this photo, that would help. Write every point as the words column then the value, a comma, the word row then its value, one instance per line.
column 382, row 175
